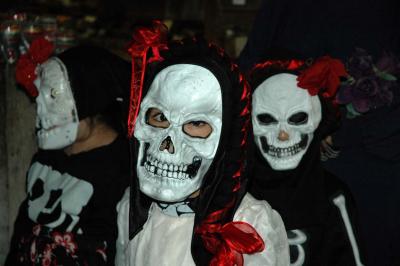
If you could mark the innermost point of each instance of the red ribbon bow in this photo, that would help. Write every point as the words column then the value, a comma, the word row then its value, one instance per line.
column 143, row 39
column 323, row 75
column 39, row 51
column 230, row 241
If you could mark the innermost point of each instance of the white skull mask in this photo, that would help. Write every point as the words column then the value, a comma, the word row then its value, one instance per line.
column 284, row 119
column 172, row 158
column 57, row 119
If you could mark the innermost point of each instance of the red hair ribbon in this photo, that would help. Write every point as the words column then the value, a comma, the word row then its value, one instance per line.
column 39, row 51
column 229, row 242
column 322, row 76
column 143, row 39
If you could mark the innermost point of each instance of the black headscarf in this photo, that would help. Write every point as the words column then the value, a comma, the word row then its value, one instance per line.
column 224, row 183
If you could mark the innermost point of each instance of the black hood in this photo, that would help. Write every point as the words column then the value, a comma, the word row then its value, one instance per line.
column 223, row 185
column 99, row 80
column 296, row 194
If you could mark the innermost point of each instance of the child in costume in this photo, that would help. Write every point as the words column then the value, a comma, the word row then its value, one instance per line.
column 188, row 204
column 364, row 34
column 81, row 169
column 292, row 113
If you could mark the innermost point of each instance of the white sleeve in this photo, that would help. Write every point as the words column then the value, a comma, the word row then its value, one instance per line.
column 123, row 230
column 269, row 226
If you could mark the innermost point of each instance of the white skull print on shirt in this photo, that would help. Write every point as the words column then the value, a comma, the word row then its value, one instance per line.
column 284, row 126
column 56, row 199
column 172, row 161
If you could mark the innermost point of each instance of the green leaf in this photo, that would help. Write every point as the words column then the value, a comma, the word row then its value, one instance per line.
column 351, row 112
column 384, row 75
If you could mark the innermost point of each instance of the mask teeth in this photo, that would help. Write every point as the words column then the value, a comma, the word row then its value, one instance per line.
column 289, row 151
column 180, row 172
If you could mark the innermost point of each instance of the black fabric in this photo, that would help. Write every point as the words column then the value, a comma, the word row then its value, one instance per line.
column 106, row 170
column 313, row 28
column 97, row 79
column 218, row 184
column 303, row 198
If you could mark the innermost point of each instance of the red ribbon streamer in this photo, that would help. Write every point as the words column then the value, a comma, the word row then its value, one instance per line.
column 143, row 39
column 284, row 64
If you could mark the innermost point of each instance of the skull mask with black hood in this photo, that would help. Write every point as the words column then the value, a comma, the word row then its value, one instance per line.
column 64, row 98
column 178, row 141
column 189, row 137
column 284, row 120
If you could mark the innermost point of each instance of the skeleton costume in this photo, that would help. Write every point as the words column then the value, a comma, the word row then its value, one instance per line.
column 288, row 125
column 69, row 214
column 369, row 159
column 195, row 84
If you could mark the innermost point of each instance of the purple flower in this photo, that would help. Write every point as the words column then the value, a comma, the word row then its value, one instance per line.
column 365, row 94
column 388, row 63
column 370, row 85
column 360, row 64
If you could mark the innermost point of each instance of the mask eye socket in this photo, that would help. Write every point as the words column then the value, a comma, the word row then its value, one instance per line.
column 299, row 118
column 266, row 119
column 197, row 129
column 156, row 118
column 53, row 93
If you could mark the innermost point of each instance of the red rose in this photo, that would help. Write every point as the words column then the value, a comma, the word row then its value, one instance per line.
column 323, row 75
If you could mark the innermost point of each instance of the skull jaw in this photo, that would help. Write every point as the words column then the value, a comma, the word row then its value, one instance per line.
column 57, row 137
column 287, row 161
column 166, row 189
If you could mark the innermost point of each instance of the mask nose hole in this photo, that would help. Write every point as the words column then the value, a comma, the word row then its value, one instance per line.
column 283, row 136
column 167, row 144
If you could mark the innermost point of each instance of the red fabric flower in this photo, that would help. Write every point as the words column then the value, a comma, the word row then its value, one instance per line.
column 39, row 51
column 48, row 252
column 145, row 38
column 66, row 240
column 33, row 251
column 230, row 241
column 322, row 77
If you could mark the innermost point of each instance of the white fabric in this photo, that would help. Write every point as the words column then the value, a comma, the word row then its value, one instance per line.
column 166, row 240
